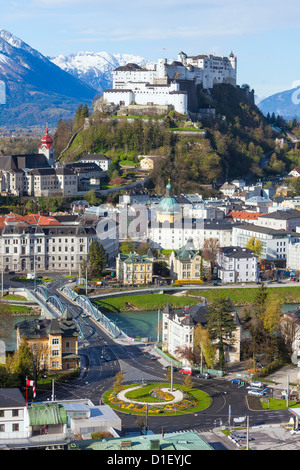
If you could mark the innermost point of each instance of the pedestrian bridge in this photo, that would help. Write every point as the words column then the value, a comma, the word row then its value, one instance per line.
column 93, row 311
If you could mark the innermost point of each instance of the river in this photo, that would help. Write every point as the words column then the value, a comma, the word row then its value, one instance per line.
column 135, row 324
column 144, row 323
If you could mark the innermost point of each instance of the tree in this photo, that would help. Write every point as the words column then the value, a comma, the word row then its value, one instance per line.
column 254, row 245
column 92, row 198
column 185, row 352
column 221, row 326
column 118, row 383
column 210, row 250
column 271, row 315
column 97, row 258
column 204, row 346
column 188, row 382
column 128, row 246
column 260, row 298
column 23, row 360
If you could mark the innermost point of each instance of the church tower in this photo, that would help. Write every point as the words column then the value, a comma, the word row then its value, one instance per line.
column 47, row 148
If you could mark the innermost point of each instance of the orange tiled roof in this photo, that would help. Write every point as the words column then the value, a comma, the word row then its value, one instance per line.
column 31, row 219
column 244, row 215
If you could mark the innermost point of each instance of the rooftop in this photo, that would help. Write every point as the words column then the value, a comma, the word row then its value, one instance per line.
column 180, row 441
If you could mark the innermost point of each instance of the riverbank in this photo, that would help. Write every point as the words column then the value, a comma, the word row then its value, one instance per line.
column 239, row 297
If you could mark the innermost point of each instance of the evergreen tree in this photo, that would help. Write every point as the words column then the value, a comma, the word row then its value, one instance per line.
column 221, row 326
column 97, row 258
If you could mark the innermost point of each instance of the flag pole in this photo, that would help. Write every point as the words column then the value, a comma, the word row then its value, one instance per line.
column 26, row 394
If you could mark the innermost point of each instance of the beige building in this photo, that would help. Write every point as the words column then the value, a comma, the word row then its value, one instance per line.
column 134, row 269
column 187, row 264
column 54, row 343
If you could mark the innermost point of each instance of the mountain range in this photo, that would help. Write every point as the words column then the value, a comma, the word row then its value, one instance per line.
column 36, row 90
column 285, row 104
column 95, row 68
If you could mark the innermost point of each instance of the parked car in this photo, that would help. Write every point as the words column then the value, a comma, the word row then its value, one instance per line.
column 107, row 358
column 256, row 393
column 186, row 371
column 169, row 368
column 256, row 384
column 152, row 357
column 236, row 381
column 204, row 375
column 242, row 436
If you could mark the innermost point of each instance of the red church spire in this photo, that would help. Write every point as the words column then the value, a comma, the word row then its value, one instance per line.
column 46, row 141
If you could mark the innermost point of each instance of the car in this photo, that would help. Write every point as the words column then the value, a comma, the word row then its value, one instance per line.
column 256, row 384
column 236, row 381
column 107, row 358
column 256, row 393
column 242, row 436
column 295, row 431
column 152, row 357
column 186, row 371
column 169, row 368
column 204, row 375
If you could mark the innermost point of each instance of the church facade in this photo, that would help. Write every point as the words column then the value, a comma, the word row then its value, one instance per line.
column 37, row 175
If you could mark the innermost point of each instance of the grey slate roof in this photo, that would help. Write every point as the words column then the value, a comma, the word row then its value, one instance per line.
column 20, row 162
column 11, row 397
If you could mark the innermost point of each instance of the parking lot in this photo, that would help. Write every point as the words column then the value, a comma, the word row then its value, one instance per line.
column 273, row 437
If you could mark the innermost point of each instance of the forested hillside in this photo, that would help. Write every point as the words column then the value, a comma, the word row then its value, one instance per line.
column 233, row 144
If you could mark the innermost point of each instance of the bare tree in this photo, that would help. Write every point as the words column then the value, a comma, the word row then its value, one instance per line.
column 210, row 251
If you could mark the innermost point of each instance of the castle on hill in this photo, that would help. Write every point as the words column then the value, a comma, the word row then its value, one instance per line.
column 172, row 85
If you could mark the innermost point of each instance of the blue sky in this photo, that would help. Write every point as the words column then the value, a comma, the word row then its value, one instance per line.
column 264, row 35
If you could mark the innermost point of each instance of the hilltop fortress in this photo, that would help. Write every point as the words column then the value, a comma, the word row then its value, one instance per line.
column 172, row 85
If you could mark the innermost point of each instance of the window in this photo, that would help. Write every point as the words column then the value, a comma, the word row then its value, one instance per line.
column 15, row 413
column 15, row 427
column 55, row 340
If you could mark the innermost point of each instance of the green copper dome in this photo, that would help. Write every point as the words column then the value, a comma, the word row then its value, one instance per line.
column 169, row 204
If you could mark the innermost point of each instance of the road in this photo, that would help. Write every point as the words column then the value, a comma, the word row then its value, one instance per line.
column 98, row 375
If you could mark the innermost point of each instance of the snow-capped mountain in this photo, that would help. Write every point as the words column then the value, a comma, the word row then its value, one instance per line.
column 95, row 68
column 37, row 90
column 285, row 104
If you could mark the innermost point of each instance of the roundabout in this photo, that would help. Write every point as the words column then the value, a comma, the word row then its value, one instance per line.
column 157, row 399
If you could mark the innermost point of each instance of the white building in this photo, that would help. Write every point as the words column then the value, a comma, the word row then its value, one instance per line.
column 13, row 415
column 166, row 83
column 236, row 264
column 273, row 242
column 172, row 236
column 280, row 220
column 26, row 246
column 101, row 160
column 178, row 330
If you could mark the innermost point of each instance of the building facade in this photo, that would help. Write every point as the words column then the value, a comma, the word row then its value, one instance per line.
column 236, row 264
column 187, row 265
column 134, row 269
column 13, row 415
column 178, row 330
column 168, row 84
column 54, row 342
column 273, row 242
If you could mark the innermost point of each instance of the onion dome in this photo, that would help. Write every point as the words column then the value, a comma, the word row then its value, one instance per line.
column 46, row 141
column 169, row 204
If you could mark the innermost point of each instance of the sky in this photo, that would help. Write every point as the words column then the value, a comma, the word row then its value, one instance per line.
column 263, row 34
